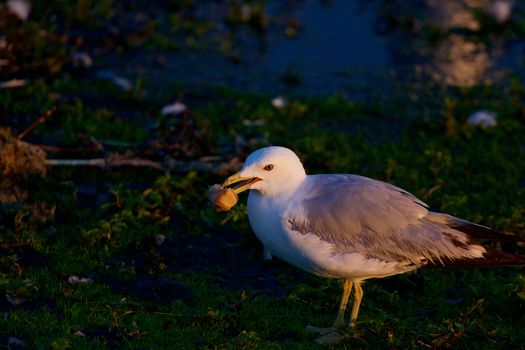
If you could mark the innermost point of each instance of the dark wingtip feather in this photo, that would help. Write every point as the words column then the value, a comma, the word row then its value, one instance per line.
column 480, row 232
column 492, row 258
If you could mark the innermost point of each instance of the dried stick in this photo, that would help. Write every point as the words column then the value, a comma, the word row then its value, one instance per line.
column 105, row 163
column 5, row 246
column 49, row 148
column 205, row 164
column 40, row 120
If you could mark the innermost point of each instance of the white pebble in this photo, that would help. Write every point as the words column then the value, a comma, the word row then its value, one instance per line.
column 256, row 122
column 160, row 239
column 15, row 301
column 81, row 59
column 501, row 10
column 20, row 8
column 279, row 102
column 13, row 83
column 174, row 108
column 79, row 280
column 483, row 119
column 15, row 343
column 122, row 83
column 267, row 254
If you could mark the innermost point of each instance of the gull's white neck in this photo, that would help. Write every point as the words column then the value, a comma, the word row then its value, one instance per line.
column 265, row 213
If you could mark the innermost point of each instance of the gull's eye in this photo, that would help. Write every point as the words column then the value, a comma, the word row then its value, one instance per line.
column 268, row 167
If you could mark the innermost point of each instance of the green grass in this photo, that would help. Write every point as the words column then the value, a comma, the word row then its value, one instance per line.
column 478, row 174
column 195, row 290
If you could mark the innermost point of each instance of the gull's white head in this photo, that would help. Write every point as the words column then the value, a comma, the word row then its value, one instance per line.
column 271, row 171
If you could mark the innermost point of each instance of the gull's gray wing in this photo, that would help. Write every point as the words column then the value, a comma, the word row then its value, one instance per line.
column 377, row 220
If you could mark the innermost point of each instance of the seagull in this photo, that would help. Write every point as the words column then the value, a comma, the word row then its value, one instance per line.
column 353, row 228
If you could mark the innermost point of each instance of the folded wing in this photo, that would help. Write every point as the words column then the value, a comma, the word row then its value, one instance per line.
column 382, row 221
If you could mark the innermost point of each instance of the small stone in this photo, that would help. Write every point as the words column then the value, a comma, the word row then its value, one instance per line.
column 160, row 239
column 174, row 108
column 279, row 102
column 81, row 59
column 79, row 280
column 256, row 122
column 122, row 83
column 267, row 254
column 15, row 301
column 15, row 343
column 483, row 119
column 13, row 83
column 501, row 10
column 20, row 8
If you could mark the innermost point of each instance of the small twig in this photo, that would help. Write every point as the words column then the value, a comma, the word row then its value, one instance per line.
column 104, row 163
column 196, row 165
column 40, row 120
column 433, row 189
column 100, row 162
column 95, row 147
column 136, row 162
column 13, row 83
column 424, row 344
column 121, row 144
column 60, row 149
column 175, row 315
column 5, row 246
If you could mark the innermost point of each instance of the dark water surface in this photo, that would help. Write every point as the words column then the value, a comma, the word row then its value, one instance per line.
column 325, row 47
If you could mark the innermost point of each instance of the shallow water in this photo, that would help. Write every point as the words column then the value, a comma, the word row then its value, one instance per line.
column 347, row 47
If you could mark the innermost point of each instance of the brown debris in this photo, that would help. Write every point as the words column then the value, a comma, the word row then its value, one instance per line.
column 19, row 161
column 20, row 164
column 41, row 212
column 18, row 158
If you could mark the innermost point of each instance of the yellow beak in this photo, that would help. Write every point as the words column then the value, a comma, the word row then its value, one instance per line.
column 243, row 183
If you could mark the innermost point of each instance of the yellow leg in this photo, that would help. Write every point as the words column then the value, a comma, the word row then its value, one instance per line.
column 357, row 301
column 339, row 320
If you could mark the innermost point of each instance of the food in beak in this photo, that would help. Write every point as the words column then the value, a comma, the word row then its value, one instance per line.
column 222, row 198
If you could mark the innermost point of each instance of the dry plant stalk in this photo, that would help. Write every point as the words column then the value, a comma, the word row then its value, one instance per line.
column 113, row 161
